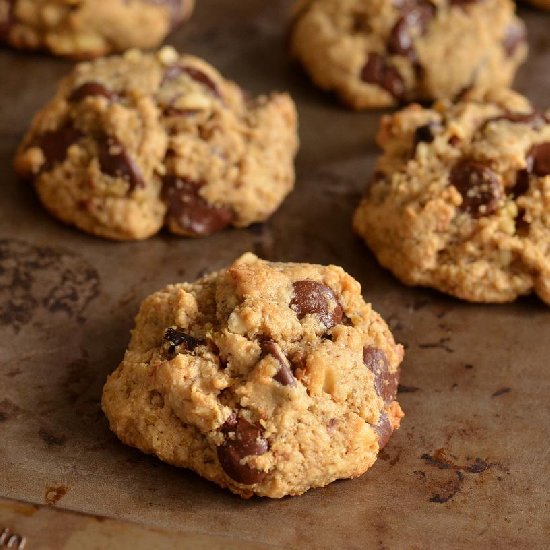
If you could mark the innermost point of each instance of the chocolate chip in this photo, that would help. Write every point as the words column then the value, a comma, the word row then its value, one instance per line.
column 522, row 184
column 242, row 439
column 92, row 88
column 314, row 298
column 425, row 134
column 195, row 74
column 189, row 211
column 479, row 186
column 55, row 144
column 284, row 375
column 114, row 161
column 538, row 160
column 179, row 341
column 515, row 36
column 522, row 225
column 383, row 429
column 378, row 71
column 415, row 20
column 385, row 383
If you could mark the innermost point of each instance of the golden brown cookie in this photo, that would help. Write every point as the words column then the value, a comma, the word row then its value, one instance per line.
column 129, row 144
column 266, row 378
column 377, row 54
column 460, row 200
column 84, row 29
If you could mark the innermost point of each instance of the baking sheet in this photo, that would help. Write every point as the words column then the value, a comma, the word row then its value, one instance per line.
column 469, row 465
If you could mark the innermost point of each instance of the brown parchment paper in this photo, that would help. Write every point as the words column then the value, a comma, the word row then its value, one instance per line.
column 470, row 465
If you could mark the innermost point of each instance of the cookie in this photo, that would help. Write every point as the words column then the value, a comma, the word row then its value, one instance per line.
column 379, row 54
column 460, row 200
column 131, row 143
column 266, row 378
column 84, row 29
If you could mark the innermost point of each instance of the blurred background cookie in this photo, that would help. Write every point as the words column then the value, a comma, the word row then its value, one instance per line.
column 89, row 28
column 377, row 54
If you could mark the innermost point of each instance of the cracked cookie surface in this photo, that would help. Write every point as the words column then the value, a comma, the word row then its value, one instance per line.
column 266, row 378
column 460, row 200
column 131, row 143
column 381, row 53
column 84, row 29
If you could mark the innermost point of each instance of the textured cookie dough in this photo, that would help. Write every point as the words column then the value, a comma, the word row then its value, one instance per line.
column 461, row 198
column 266, row 378
column 383, row 52
column 88, row 28
column 131, row 143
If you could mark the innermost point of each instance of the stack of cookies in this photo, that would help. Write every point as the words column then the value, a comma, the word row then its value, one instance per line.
column 270, row 378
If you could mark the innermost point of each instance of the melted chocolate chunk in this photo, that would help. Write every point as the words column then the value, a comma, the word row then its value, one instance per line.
column 195, row 74
column 189, row 211
column 515, row 36
column 179, row 341
column 479, row 186
column 415, row 20
column 55, row 144
column 383, row 429
column 378, row 71
column 538, row 160
column 314, row 298
column 242, row 439
column 92, row 88
column 114, row 161
column 385, row 383
column 284, row 375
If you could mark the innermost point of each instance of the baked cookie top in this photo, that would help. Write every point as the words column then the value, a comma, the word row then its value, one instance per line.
column 380, row 53
column 460, row 200
column 266, row 378
column 133, row 142
column 89, row 28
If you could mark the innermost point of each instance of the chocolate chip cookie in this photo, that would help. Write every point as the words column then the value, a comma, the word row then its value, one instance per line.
column 460, row 200
column 85, row 28
column 266, row 378
column 131, row 143
column 378, row 54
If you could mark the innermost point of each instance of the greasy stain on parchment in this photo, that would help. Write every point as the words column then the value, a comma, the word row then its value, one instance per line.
column 35, row 278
